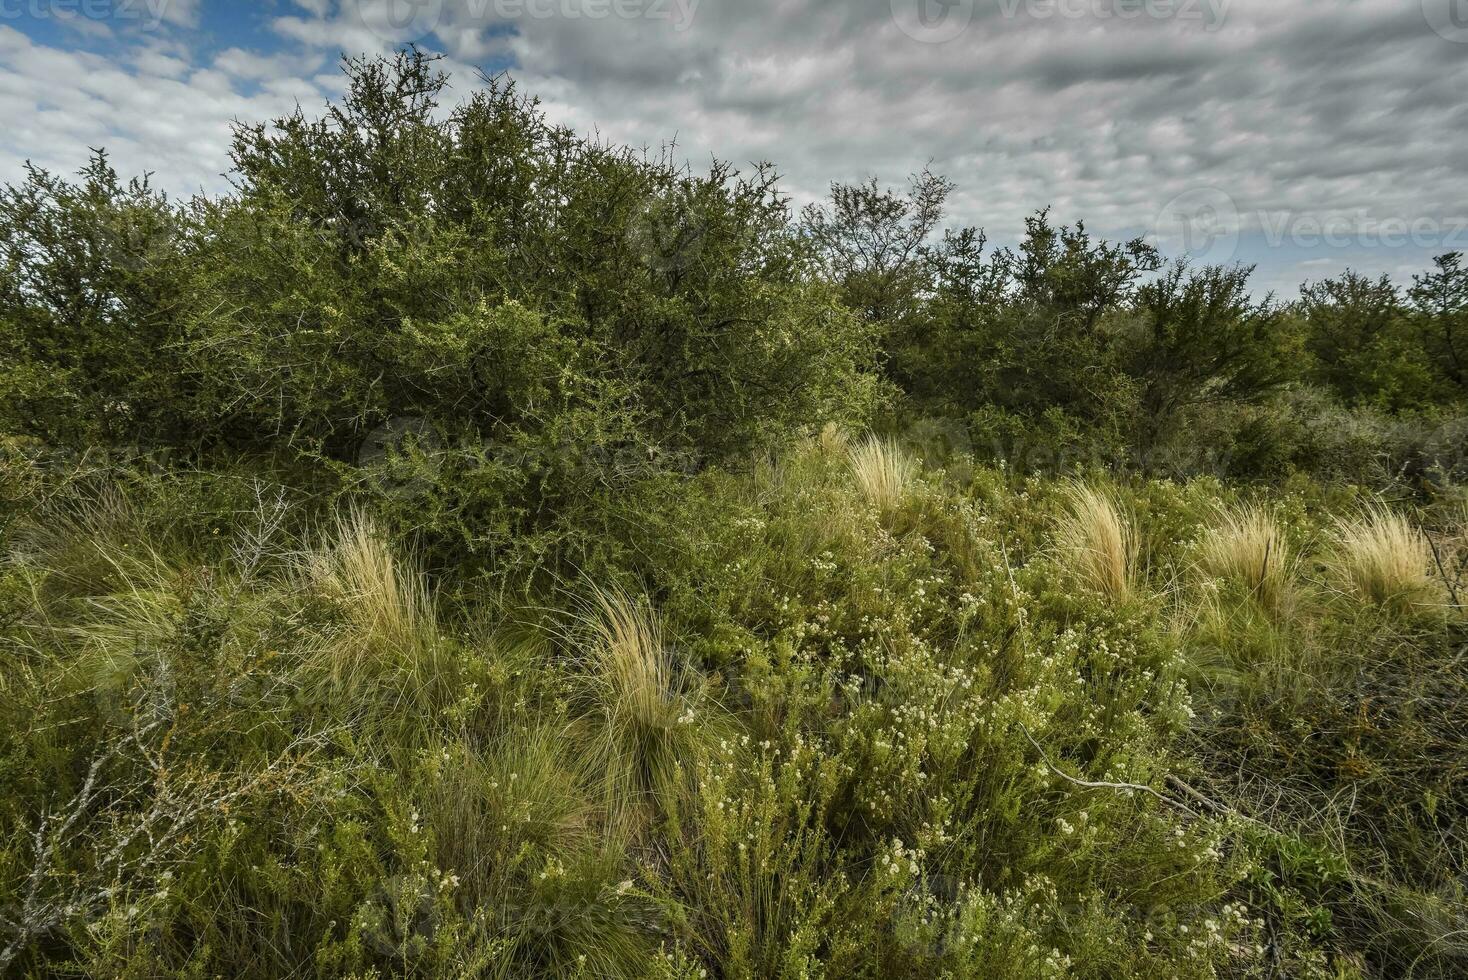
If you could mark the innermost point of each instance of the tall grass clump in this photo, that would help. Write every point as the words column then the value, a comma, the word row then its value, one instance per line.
column 89, row 543
column 631, row 659
column 833, row 439
column 390, row 626
column 1248, row 549
column 1382, row 557
column 384, row 599
column 1097, row 542
column 883, row 470
column 636, row 690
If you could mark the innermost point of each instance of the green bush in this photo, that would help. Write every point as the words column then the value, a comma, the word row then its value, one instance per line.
column 461, row 550
column 479, row 309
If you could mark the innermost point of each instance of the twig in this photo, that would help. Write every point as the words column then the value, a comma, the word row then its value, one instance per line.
column 1451, row 584
column 1089, row 784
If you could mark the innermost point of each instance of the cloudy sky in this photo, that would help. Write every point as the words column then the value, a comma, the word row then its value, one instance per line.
column 1303, row 136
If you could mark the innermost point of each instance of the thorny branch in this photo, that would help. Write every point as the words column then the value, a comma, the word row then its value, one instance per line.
column 173, row 804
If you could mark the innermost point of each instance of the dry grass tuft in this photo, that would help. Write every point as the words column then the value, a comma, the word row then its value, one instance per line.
column 1248, row 548
column 1098, row 542
column 883, row 471
column 644, row 714
column 90, row 544
column 631, row 664
column 833, row 439
column 1382, row 557
column 387, row 603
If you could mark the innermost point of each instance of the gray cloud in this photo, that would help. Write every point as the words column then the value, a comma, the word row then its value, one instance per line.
column 1293, row 108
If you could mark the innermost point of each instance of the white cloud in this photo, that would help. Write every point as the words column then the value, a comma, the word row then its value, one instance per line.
column 1294, row 107
column 253, row 66
column 153, row 112
column 183, row 13
column 85, row 26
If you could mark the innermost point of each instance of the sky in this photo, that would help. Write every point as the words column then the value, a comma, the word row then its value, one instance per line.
column 1300, row 136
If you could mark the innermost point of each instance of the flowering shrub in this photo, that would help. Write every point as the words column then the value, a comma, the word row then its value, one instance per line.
column 781, row 730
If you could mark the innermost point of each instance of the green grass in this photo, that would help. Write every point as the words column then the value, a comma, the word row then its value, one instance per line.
column 832, row 731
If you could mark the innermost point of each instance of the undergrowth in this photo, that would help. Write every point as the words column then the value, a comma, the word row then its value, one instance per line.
column 962, row 724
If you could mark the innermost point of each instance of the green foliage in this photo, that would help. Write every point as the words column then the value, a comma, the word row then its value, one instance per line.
column 871, row 242
column 1441, row 301
column 1201, row 341
column 1027, row 330
column 1372, row 346
column 91, row 285
column 844, row 737
column 1069, row 351
column 527, row 314
column 1357, row 333
column 461, row 550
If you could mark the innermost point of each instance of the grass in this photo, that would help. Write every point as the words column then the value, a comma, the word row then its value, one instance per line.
column 388, row 602
column 1380, row 556
column 833, row 439
column 1097, row 542
column 645, row 716
column 631, row 663
column 884, row 471
column 811, row 740
column 1248, row 549
column 384, row 645
column 89, row 544
column 484, row 799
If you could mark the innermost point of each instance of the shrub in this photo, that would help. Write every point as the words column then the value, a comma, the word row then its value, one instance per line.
column 480, row 322
column 93, row 279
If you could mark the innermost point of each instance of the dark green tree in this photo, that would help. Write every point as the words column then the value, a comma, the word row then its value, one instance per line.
column 872, row 242
column 1441, row 301
column 92, row 281
column 1361, row 348
column 1197, row 338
